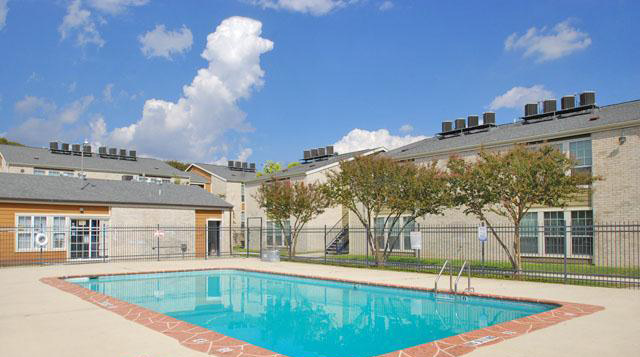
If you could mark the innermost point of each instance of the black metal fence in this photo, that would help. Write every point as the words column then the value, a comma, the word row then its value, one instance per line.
column 603, row 254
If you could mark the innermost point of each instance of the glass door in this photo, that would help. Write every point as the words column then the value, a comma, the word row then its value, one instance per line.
column 85, row 239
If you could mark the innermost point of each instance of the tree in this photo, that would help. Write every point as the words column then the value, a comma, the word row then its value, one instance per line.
column 416, row 192
column 270, row 167
column 5, row 141
column 377, row 186
column 508, row 184
column 297, row 201
column 177, row 164
column 293, row 164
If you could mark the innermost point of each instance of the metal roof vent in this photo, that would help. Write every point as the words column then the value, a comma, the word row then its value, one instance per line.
column 473, row 120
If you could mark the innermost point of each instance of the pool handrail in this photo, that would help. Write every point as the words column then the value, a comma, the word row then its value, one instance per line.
column 469, row 288
column 435, row 288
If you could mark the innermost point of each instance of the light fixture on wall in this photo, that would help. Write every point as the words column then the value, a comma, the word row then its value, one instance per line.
column 81, row 209
column 622, row 139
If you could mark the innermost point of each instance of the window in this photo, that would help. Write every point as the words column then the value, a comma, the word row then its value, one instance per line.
column 39, row 172
column 59, row 232
column 582, row 232
column 241, row 192
column 407, row 232
column 28, row 228
column 554, row 233
column 54, row 173
column 395, row 236
column 277, row 235
column 242, row 218
column 529, row 233
column 580, row 151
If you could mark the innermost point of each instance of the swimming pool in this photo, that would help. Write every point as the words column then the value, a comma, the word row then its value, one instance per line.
column 299, row 317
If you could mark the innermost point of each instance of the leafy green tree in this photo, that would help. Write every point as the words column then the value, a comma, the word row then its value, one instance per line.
column 177, row 164
column 508, row 184
column 270, row 167
column 284, row 200
column 5, row 141
column 293, row 164
column 377, row 186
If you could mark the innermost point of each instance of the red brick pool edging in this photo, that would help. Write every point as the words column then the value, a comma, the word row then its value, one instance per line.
column 213, row 343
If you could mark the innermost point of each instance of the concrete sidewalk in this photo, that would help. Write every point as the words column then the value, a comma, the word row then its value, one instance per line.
column 39, row 320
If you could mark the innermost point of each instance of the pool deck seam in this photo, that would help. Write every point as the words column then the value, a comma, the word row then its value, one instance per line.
column 214, row 343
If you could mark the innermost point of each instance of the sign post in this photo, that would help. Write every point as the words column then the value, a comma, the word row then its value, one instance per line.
column 482, row 237
column 416, row 242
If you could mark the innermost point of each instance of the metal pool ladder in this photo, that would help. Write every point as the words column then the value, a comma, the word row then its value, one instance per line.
column 435, row 288
column 469, row 288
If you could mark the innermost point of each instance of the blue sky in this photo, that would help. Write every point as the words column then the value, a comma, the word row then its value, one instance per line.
column 264, row 79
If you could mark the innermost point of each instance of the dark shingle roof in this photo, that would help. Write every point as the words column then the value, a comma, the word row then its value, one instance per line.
column 607, row 115
column 34, row 188
column 315, row 165
column 39, row 157
column 228, row 174
column 195, row 178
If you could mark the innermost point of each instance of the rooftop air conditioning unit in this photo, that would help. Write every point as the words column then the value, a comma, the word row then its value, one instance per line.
column 314, row 153
column 330, row 151
column 489, row 118
column 113, row 151
column 65, row 146
column 102, row 150
column 549, row 106
column 530, row 109
column 86, row 149
column 252, row 167
column 472, row 121
column 447, row 125
column 587, row 98
column 75, row 147
column 568, row 102
column 245, row 165
column 230, row 163
column 307, row 154
column 123, row 153
column 238, row 164
column 321, row 152
column 133, row 153
column 53, row 146
column 460, row 123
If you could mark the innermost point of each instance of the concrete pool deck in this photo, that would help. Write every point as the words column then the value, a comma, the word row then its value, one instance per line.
column 39, row 320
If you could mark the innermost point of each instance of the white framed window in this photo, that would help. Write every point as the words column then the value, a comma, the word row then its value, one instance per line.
column 39, row 172
column 400, row 240
column 278, row 235
column 552, row 232
column 579, row 150
column 29, row 226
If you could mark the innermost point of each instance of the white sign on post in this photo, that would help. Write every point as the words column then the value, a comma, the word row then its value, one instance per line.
column 416, row 240
column 482, row 233
column 158, row 234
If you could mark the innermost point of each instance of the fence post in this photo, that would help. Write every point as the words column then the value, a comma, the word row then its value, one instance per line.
column 325, row 244
column 158, row 239
column 566, row 243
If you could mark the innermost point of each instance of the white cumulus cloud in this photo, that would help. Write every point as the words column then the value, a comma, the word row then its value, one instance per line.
column 549, row 43
column 4, row 10
column 360, row 139
column 194, row 126
column 313, row 7
column 517, row 97
column 162, row 43
column 406, row 128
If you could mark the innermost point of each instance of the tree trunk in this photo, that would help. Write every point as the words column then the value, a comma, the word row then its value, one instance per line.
column 516, row 250
column 513, row 262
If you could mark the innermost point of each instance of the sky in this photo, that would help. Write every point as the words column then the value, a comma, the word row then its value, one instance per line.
column 256, row 80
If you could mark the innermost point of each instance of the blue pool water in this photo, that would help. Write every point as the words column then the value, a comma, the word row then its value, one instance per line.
column 302, row 317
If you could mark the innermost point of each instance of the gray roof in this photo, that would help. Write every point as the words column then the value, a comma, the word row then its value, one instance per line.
column 35, row 188
column 519, row 131
column 195, row 178
column 40, row 157
column 228, row 174
column 314, row 165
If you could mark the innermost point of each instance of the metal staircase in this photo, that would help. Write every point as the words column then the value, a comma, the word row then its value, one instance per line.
column 339, row 234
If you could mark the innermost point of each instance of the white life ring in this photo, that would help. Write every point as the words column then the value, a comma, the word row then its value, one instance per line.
column 41, row 239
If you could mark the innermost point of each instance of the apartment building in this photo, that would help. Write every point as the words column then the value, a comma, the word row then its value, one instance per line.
column 63, row 159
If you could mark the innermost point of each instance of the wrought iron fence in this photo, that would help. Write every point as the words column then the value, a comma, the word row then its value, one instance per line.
column 603, row 254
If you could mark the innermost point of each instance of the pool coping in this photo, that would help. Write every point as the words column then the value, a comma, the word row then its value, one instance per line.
column 213, row 343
